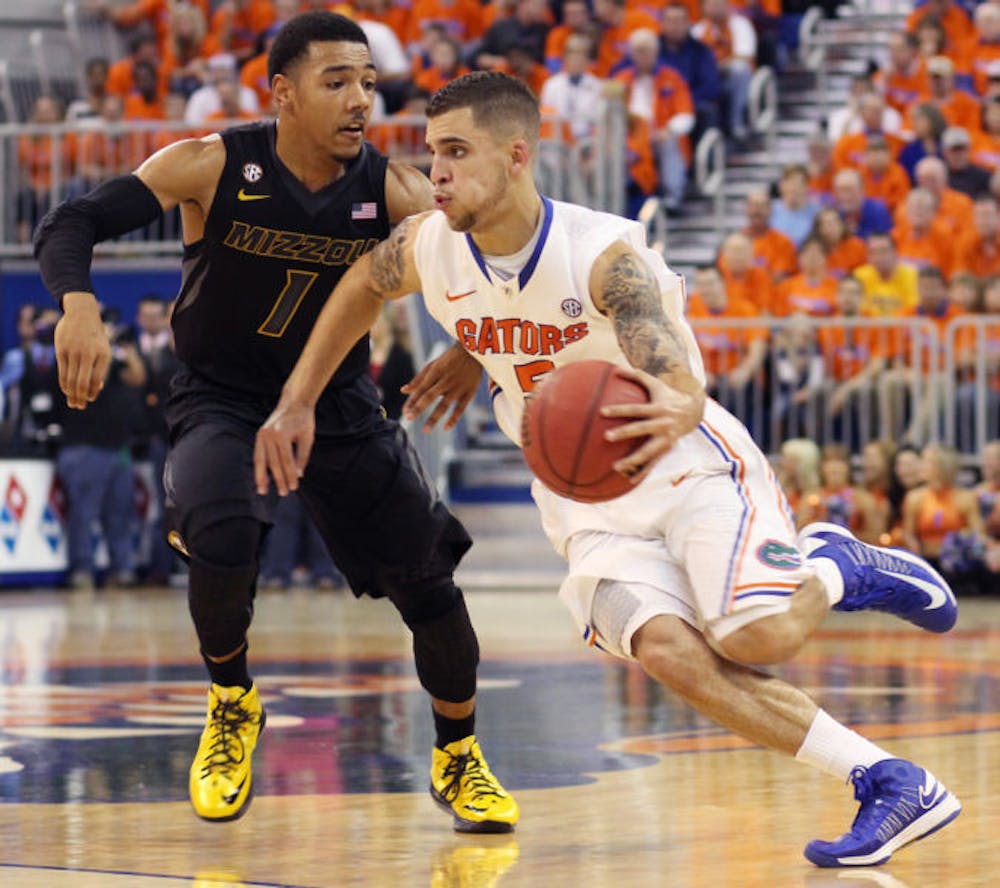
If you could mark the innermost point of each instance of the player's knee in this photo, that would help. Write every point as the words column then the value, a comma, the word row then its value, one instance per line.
column 445, row 647
column 221, row 582
column 771, row 639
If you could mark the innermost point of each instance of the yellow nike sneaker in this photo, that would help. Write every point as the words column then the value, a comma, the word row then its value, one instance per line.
column 462, row 784
column 220, row 783
column 474, row 866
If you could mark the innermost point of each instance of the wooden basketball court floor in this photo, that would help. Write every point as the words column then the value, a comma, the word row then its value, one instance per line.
column 102, row 698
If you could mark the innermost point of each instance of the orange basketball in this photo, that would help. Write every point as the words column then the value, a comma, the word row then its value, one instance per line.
column 562, row 431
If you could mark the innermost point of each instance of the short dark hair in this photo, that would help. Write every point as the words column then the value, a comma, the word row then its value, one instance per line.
column 291, row 43
column 930, row 272
column 498, row 101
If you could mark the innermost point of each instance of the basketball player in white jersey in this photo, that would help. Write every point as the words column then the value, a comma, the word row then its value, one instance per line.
column 697, row 570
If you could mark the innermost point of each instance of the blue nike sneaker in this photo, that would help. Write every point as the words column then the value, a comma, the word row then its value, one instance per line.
column 891, row 580
column 900, row 803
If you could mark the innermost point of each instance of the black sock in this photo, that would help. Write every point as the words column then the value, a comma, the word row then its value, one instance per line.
column 451, row 729
column 231, row 673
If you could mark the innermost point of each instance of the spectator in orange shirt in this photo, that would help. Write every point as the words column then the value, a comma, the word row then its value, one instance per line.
column 732, row 39
column 958, row 107
column 854, row 360
column 977, row 376
column 462, row 19
column 844, row 251
column 819, row 164
column 576, row 21
column 986, row 143
column 849, row 151
column 145, row 101
column 978, row 250
column 844, row 503
column 404, row 141
column 38, row 156
column 954, row 20
column 953, row 207
column 984, row 47
column 173, row 112
column 813, row 291
column 254, row 73
column 643, row 177
column 109, row 151
column 883, row 178
column 446, row 65
column 185, row 55
column 236, row 25
column 734, row 356
column 156, row 12
column 142, row 48
column 658, row 93
column 772, row 250
column 963, row 175
column 616, row 24
column 745, row 280
column 921, row 239
column 904, row 79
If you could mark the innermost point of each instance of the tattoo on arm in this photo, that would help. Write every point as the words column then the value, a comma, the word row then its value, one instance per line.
column 388, row 260
column 648, row 337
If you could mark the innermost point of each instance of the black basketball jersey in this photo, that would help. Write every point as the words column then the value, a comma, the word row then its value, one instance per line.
column 272, row 252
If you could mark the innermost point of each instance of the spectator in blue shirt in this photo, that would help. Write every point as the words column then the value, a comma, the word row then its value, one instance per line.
column 863, row 215
column 696, row 63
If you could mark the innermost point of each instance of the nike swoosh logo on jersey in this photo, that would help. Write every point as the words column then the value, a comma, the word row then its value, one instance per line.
column 456, row 296
column 679, row 479
column 938, row 598
column 242, row 195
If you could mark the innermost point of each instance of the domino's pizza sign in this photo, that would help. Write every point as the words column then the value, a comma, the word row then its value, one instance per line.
column 32, row 538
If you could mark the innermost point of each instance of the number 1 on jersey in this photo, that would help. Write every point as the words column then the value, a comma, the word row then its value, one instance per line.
column 297, row 284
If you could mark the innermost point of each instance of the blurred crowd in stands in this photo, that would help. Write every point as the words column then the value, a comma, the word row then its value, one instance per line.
column 857, row 303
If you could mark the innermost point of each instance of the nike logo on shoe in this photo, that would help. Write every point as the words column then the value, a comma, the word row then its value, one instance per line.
column 928, row 795
column 936, row 593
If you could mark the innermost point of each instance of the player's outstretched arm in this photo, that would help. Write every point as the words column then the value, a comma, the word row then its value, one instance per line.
column 65, row 241
column 625, row 289
column 285, row 439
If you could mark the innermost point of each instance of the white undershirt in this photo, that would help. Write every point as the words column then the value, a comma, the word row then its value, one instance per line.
column 506, row 267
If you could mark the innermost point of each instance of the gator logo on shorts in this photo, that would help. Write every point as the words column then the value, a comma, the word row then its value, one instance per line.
column 778, row 555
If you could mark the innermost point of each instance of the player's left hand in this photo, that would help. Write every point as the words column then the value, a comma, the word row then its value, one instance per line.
column 664, row 419
column 282, row 447
column 451, row 379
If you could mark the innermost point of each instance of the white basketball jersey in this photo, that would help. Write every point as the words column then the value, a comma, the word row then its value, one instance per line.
column 542, row 318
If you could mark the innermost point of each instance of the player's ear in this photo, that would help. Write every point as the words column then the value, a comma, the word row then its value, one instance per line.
column 520, row 155
column 282, row 90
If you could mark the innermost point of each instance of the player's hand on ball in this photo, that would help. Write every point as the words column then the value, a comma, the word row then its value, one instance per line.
column 664, row 419
column 451, row 380
column 283, row 445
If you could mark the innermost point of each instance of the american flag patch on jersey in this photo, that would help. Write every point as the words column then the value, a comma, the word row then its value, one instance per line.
column 366, row 210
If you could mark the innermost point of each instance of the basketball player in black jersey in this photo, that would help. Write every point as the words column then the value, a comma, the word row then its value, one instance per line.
column 273, row 214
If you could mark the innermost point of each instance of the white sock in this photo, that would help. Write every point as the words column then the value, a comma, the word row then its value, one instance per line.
column 836, row 749
column 830, row 576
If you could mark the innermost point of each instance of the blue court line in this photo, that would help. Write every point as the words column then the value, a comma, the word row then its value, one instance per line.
column 77, row 869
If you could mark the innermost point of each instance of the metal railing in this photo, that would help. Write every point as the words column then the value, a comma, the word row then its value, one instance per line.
column 710, row 173
column 42, row 165
column 762, row 107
